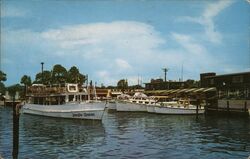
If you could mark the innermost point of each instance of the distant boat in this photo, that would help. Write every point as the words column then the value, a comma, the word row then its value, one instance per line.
column 111, row 105
column 180, row 107
column 68, row 101
column 137, row 103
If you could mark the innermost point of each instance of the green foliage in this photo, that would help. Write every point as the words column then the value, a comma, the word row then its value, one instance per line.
column 26, row 80
column 136, row 87
column 122, row 84
column 59, row 74
column 74, row 76
column 44, row 78
column 2, row 76
column 2, row 88
column 192, row 83
column 14, row 88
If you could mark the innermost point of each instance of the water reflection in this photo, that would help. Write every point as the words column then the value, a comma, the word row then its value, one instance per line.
column 58, row 135
column 128, row 135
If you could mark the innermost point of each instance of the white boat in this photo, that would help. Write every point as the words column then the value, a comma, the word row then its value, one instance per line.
column 137, row 103
column 111, row 105
column 178, row 107
column 155, row 101
column 63, row 102
column 151, row 108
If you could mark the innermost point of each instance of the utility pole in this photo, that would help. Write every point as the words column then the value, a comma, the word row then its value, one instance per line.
column 165, row 73
column 42, row 71
column 182, row 72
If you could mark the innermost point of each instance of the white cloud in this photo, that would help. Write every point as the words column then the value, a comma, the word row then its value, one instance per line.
column 207, row 19
column 122, row 64
column 189, row 44
column 109, row 52
column 122, row 33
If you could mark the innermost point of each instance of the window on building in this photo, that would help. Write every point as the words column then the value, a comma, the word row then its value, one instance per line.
column 237, row 79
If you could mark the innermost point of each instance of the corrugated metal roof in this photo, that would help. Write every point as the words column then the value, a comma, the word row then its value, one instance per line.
column 210, row 89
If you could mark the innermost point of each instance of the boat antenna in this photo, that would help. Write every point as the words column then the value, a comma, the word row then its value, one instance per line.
column 95, row 91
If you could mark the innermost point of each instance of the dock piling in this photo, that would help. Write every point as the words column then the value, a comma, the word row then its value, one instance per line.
column 228, row 107
column 15, row 129
column 245, row 107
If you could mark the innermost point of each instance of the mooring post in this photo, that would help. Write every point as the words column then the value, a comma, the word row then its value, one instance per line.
column 206, row 108
column 15, row 129
column 197, row 110
column 197, row 104
column 245, row 107
column 227, row 106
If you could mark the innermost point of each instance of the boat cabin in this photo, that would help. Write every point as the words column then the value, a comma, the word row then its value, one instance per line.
column 56, row 94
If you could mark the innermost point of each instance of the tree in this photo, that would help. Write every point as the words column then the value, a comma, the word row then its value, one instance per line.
column 44, row 78
column 74, row 76
column 2, row 88
column 122, row 84
column 192, row 83
column 59, row 74
column 13, row 89
column 26, row 80
column 2, row 76
column 82, row 79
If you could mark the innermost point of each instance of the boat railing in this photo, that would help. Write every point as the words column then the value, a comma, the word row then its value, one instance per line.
column 45, row 90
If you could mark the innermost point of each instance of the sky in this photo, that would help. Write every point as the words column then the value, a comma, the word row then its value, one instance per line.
column 125, row 39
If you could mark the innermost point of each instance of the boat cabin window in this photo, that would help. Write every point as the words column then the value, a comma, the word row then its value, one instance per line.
column 134, row 101
column 84, row 97
column 140, row 101
column 146, row 102
column 72, row 88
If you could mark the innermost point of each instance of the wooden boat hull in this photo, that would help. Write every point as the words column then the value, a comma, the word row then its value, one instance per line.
column 92, row 111
column 128, row 106
column 174, row 110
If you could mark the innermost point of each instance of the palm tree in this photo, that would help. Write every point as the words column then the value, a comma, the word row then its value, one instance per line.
column 26, row 80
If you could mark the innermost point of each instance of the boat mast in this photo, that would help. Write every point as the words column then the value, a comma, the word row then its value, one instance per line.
column 95, row 91
column 88, row 88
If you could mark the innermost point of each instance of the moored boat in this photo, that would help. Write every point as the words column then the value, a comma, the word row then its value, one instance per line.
column 68, row 101
column 111, row 105
column 180, row 107
column 137, row 103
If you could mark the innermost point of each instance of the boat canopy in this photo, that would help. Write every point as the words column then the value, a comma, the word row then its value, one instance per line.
column 123, row 96
column 140, row 95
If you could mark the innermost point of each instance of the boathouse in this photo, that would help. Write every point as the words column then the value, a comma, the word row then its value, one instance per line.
column 233, row 90
column 159, row 84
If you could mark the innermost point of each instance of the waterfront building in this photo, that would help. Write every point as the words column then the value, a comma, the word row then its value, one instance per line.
column 233, row 90
column 159, row 84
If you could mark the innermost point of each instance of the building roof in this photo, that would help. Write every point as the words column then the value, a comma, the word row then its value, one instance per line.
column 230, row 74
column 187, row 90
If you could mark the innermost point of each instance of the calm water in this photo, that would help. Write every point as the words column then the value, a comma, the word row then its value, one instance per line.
column 127, row 135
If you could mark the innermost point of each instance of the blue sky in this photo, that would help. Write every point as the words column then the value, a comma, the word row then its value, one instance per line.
column 111, row 40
